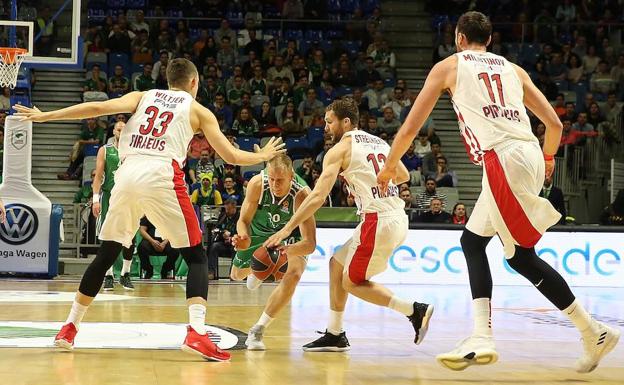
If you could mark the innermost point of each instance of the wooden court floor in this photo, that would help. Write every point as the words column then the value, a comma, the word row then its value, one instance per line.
column 536, row 345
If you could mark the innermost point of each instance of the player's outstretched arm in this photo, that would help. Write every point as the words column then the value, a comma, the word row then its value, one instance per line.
column 242, row 239
column 435, row 84
column 208, row 123
column 126, row 104
column 331, row 168
column 96, row 184
column 307, row 244
column 2, row 212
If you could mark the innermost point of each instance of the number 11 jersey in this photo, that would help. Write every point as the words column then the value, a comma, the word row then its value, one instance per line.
column 160, row 126
column 489, row 103
column 368, row 155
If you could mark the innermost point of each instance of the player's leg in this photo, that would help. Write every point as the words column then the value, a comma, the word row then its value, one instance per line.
column 374, row 242
column 241, row 264
column 120, row 226
column 124, row 278
column 279, row 298
column 479, row 348
column 109, row 279
column 334, row 339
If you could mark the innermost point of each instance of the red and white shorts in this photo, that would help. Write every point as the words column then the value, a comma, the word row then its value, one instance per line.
column 366, row 254
column 509, row 203
column 155, row 188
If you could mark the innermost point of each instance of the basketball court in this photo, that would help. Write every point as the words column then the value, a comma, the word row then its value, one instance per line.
column 535, row 343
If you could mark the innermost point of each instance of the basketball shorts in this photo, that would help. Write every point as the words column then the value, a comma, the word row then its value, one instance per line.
column 153, row 187
column 104, row 204
column 366, row 254
column 242, row 259
column 509, row 204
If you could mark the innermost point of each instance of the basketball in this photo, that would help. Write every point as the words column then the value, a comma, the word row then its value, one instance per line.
column 269, row 264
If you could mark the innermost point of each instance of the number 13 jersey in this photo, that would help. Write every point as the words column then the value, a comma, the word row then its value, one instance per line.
column 489, row 103
column 368, row 156
column 160, row 126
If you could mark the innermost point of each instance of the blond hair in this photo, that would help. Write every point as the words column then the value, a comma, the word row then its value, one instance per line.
column 282, row 161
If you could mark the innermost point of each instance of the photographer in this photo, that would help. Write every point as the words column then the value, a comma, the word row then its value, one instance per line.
column 222, row 234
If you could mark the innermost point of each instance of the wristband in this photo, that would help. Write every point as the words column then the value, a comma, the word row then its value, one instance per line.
column 548, row 157
column 96, row 197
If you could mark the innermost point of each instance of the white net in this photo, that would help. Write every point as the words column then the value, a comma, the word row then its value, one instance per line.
column 10, row 61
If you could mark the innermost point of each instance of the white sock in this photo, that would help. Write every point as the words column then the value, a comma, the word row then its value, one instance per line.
column 76, row 313
column 253, row 282
column 109, row 272
column 579, row 316
column 197, row 318
column 265, row 320
column 482, row 314
column 401, row 305
column 335, row 322
column 126, row 267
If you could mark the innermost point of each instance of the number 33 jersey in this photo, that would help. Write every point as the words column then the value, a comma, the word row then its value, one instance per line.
column 160, row 126
column 368, row 156
column 489, row 103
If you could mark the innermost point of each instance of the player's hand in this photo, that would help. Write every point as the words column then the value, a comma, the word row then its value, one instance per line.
column 29, row 114
column 241, row 242
column 550, row 167
column 274, row 147
column 385, row 176
column 276, row 239
column 96, row 208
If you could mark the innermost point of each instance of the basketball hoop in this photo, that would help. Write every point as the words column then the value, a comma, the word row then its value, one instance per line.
column 10, row 61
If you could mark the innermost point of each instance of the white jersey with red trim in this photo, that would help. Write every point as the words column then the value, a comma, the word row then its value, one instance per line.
column 160, row 127
column 368, row 155
column 489, row 103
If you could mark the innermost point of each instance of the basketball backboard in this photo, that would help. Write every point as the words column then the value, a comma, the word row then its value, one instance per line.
column 49, row 30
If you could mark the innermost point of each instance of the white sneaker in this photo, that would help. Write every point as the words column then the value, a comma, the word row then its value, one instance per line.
column 254, row 338
column 474, row 350
column 599, row 341
column 252, row 282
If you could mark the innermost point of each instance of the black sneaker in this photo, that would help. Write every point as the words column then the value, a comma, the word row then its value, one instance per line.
column 420, row 320
column 126, row 282
column 328, row 343
column 109, row 283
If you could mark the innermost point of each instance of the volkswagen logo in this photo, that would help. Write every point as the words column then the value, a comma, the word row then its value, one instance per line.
column 20, row 225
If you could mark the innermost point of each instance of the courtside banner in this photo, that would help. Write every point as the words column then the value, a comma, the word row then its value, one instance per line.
column 435, row 257
column 25, row 235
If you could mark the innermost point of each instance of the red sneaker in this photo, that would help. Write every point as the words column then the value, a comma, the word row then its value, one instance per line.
column 198, row 344
column 65, row 337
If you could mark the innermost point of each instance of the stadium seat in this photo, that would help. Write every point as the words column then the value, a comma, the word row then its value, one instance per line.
column 315, row 137
column 250, row 174
column 257, row 100
column 19, row 99
column 297, row 147
column 253, row 168
column 115, row 59
column 88, row 165
column 246, row 143
column 90, row 149
column 96, row 57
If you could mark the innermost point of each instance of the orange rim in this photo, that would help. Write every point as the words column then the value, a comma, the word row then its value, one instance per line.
column 9, row 53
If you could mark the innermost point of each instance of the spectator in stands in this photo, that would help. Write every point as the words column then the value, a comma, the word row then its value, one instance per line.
column 162, row 62
column 406, row 196
column 555, row 196
column 97, row 45
column 459, row 214
column 385, row 60
column 227, row 57
column 46, row 30
column 361, row 102
column 245, row 124
column 290, row 121
column 141, row 49
column 139, row 23
column 423, row 146
column 590, row 60
column 310, row 107
column 546, row 86
column 602, row 82
column 344, row 77
column 398, row 102
column 570, row 112
column 389, row 123
column 266, row 117
column 209, row 49
column 300, row 89
column 556, row 69
column 219, row 107
column 228, row 170
column 206, row 194
column 231, row 190
column 281, row 92
column 443, row 176
column 569, row 136
column 161, row 81
column 235, row 93
column 540, row 132
column 369, row 75
column 293, row 9
column 119, row 40
column 327, row 144
column 587, row 102
column 221, row 238
column 96, row 83
column 423, row 200
column 198, row 144
column 559, row 106
column 317, row 65
column 595, row 117
column 203, row 166
column 617, row 74
column 225, row 31
column 91, row 133
column 435, row 213
column 144, row 82
column 430, row 161
column 85, row 192
column 278, row 70
column 372, row 127
column 611, row 108
column 375, row 95
column 581, row 123
column 327, row 93
column 305, row 170
column 258, row 84
column 575, row 70
column 118, row 84
column 446, row 47
column 155, row 245
column 613, row 214
column 183, row 44
column 411, row 160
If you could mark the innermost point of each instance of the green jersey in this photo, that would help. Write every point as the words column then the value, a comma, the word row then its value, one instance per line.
column 111, row 165
column 273, row 213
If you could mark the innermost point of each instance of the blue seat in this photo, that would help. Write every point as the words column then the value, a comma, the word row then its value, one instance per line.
column 122, row 59
column 314, row 35
column 297, row 147
column 246, row 143
column 342, row 91
column 293, row 34
column 316, row 136
column 250, row 174
column 91, row 149
column 24, row 100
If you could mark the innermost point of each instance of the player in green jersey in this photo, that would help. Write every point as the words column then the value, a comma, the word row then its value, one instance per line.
column 106, row 164
column 272, row 198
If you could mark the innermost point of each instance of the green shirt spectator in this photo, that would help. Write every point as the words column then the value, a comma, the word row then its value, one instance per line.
column 96, row 82
column 84, row 194
column 118, row 83
column 145, row 81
